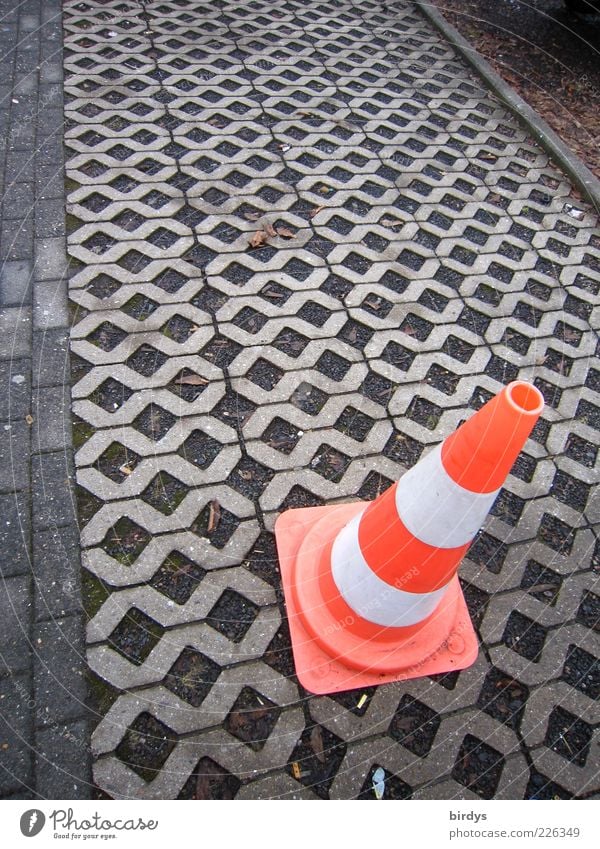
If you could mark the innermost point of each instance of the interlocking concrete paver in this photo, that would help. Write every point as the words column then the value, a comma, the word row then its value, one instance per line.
column 431, row 258
column 15, row 533
column 59, row 682
column 57, row 568
column 15, row 332
column 52, row 479
column 15, row 604
column 60, row 761
column 49, row 307
column 16, row 770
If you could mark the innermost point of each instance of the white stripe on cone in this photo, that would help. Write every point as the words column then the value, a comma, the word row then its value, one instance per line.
column 435, row 509
column 369, row 596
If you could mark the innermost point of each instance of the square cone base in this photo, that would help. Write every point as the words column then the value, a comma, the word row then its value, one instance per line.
column 320, row 673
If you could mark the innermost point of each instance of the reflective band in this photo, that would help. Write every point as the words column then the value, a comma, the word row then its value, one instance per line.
column 437, row 510
column 369, row 596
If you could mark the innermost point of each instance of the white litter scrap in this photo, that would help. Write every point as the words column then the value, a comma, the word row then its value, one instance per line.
column 379, row 782
column 573, row 211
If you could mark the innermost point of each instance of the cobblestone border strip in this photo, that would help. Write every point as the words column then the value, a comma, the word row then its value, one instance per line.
column 44, row 732
column 573, row 167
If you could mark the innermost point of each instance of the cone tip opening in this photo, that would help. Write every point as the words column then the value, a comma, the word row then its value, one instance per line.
column 525, row 398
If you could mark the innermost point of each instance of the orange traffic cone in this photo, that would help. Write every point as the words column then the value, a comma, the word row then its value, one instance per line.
column 371, row 588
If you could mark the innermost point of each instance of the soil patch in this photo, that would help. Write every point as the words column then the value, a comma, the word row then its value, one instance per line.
column 546, row 53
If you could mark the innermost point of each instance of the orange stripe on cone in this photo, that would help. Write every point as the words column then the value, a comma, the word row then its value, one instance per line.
column 481, row 453
column 407, row 563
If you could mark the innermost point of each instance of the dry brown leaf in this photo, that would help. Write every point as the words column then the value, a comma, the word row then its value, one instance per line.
column 191, row 380
column 258, row 239
column 285, row 233
column 214, row 516
column 542, row 588
column 272, row 294
column 29, row 419
column 316, row 211
column 245, row 474
column 316, row 741
column 252, row 216
column 270, row 230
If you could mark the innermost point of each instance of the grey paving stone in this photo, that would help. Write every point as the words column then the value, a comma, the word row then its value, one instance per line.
column 15, row 534
column 50, row 12
column 50, row 259
column 25, row 85
column 18, row 198
column 53, row 123
column 59, row 683
column 51, row 482
column 19, row 167
column 29, row 23
column 15, row 282
column 23, row 108
column 23, row 793
column 49, row 219
column 50, row 360
column 49, row 181
column 50, row 304
column 16, row 609
column 22, row 133
column 16, row 767
column 15, row 332
column 16, row 237
column 9, row 12
column 14, row 456
column 56, row 571
column 15, row 389
column 51, row 72
column 62, row 761
column 48, row 150
column 51, row 411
